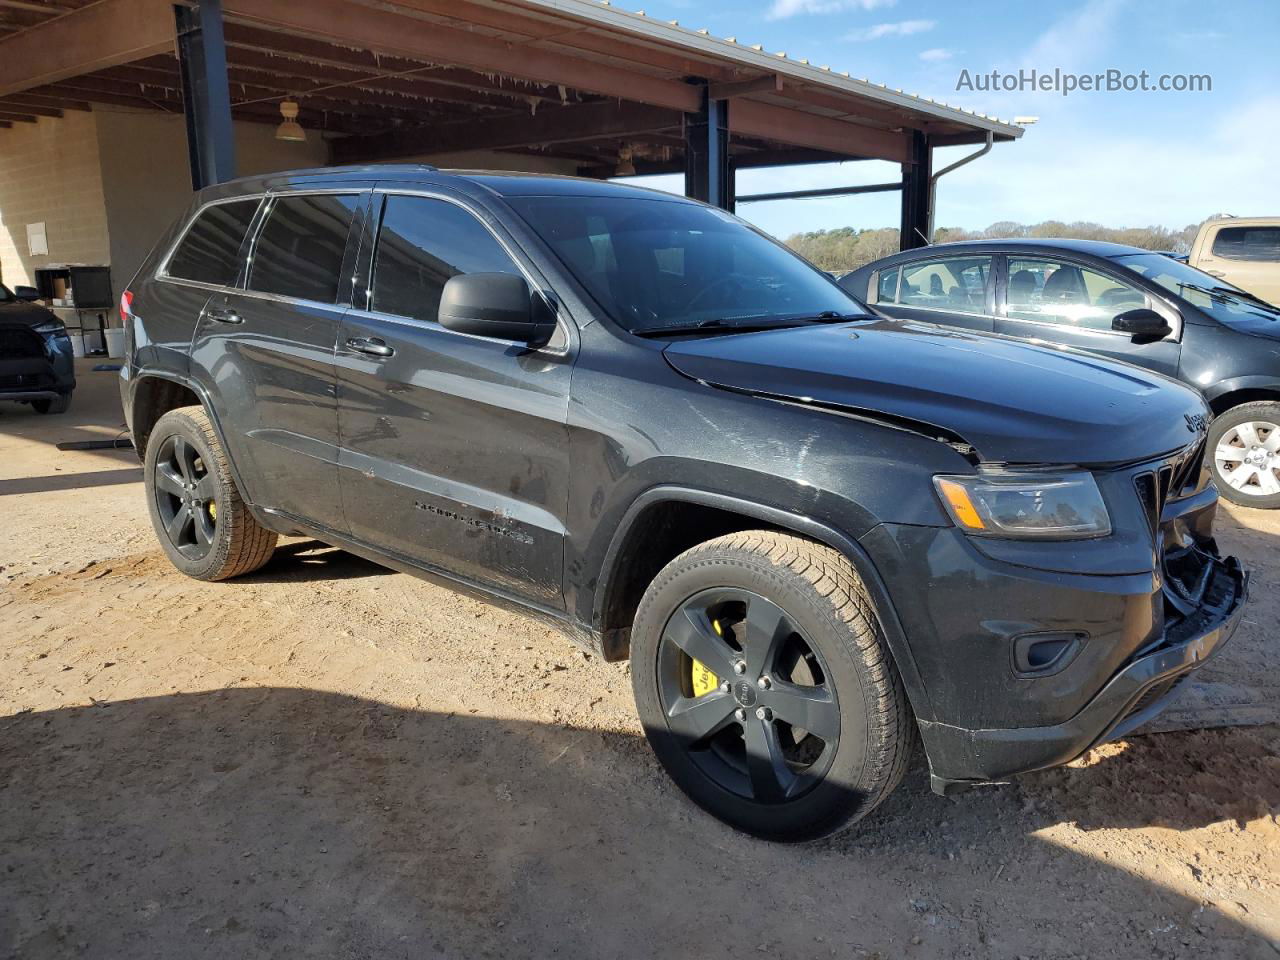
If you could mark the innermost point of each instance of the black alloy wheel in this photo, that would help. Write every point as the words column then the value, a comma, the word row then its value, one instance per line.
column 766, row 686
column 185, row 498
column 747, row 696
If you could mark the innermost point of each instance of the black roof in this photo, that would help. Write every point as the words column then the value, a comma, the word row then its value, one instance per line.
column 1098, row 248
column 507, row 184
column 1026, row 245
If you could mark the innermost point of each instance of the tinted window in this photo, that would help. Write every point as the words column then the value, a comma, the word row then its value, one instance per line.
column 300, row 247
column 1248, row 243
column 887, row 290
column 210, row 250
column 958, row 285
column 1215, row 297
column 1051, row 291
column 421, row 244
column 653, row 264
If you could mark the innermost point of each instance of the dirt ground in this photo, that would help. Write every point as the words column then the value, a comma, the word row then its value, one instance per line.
column 327, row 759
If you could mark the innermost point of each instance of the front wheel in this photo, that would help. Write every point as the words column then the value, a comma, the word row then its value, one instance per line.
column 765, row 686
column 1244, row 445
column 199, row 517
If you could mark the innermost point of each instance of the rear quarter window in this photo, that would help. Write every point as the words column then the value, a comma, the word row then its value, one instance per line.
column 210, row 250
column 887, row 288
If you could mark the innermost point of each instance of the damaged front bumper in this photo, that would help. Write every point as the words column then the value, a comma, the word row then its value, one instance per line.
column 1134, row 695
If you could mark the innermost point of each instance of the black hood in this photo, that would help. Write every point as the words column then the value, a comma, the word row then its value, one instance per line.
column 1013, row 402
column 22, row 313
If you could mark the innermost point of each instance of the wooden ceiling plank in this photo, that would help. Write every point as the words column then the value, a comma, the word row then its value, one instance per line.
column 28, row 99
column 784, row 125
column 554, row 125
column 581, row 37
column 107, row 33
column 386, row 32
column 51, row 9
column 309, row 51
column 10, row 106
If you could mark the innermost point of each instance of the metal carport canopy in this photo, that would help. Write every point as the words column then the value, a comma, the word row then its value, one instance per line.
column 578, row 80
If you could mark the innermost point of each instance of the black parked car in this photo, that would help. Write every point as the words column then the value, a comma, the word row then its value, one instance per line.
column 814, row 532
column 36, row 363
column 1123, row 302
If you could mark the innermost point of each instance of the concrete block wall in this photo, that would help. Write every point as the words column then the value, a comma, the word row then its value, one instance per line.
column 146, row 175
column 50, row 172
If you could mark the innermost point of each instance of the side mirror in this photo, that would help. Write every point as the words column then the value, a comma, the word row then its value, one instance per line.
column 26, row 293
column 498, row 305
column 1145, row 326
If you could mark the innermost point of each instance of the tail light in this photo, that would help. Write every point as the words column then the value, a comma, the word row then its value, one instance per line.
column 127, row 321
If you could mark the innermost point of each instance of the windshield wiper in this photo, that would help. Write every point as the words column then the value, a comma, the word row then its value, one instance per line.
column 831, row 316
column 720, row 325
column 1232, row 292
column 1246, row 295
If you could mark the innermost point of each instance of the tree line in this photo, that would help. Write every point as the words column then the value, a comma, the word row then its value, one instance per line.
column 847, row 248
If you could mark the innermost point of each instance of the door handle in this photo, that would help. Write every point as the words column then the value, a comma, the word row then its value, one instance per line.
column 372, row 346
column 1216, row 273
column 228, row 316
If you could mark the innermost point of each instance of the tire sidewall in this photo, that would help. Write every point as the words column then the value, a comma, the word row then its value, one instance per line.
column 1268, row 411
column 178, row 424
column 842, row 794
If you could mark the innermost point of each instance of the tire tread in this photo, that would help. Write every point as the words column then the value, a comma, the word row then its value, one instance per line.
column 832, row 577
column 250, row 544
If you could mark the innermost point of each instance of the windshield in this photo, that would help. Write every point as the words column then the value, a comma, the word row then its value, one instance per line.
column 657, row 264
column 1214, row 296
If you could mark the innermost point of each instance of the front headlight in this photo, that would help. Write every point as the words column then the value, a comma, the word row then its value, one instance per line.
column 1026, row 505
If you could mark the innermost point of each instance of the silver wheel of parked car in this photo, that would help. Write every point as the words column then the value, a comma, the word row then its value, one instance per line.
column 1245, row 449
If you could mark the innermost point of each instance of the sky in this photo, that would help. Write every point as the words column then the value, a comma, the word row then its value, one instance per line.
column 1116, row 158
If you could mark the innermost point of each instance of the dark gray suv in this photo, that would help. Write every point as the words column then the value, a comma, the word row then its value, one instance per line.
column 816, row 533
column 1123, row 302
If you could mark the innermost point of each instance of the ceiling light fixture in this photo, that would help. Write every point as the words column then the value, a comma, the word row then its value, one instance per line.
column 289, row 128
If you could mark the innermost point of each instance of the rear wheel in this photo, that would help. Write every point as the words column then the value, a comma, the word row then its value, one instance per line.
column 199, row 517
column 60, row 404
column 1244, row 444
column 765, row 686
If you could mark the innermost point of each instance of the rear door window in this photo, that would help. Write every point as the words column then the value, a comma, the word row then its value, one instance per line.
column 1248, row 243
column 956, row 284
column 421, row 244
column 210, row 250
column 300, row 248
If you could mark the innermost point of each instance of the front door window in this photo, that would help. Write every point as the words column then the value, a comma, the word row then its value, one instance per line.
column 1044, row 290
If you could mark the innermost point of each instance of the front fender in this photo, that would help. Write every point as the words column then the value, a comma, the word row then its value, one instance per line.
column 774, row 516
column 1224, row 388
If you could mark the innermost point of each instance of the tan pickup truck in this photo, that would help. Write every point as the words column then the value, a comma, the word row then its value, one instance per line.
column 1244, row 251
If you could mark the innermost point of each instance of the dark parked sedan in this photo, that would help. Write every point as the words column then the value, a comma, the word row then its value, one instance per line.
column 36, row 364
column 1124, row 302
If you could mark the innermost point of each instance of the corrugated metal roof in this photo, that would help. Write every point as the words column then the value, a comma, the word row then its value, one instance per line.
column 701, row 42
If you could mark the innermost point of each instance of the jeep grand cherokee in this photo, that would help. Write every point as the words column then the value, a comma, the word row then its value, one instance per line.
column 814, row 532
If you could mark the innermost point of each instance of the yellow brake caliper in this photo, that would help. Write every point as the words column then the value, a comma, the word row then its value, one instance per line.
column 704, row 681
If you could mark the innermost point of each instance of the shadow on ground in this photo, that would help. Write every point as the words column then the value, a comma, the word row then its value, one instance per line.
column 294, row 822
column 304, row 561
